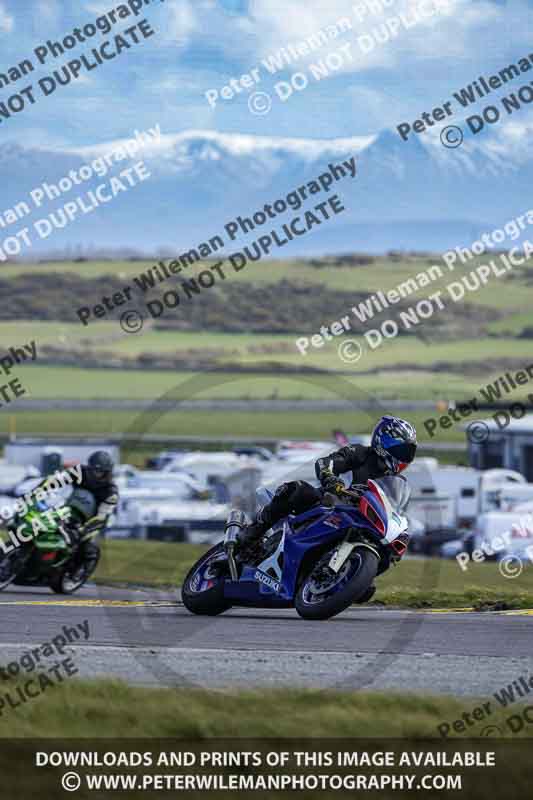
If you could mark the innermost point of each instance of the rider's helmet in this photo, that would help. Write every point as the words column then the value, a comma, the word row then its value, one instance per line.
column 394, row 440
column 99, row 468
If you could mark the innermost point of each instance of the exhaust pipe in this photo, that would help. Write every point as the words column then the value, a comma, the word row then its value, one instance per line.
column 235, row 523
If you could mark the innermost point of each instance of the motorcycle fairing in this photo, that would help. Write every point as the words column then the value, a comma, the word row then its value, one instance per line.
column 301, row 534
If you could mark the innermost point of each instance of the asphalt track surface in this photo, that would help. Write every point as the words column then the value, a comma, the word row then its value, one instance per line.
column 147, row 637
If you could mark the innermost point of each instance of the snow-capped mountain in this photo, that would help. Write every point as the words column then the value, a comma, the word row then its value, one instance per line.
column 406, row 195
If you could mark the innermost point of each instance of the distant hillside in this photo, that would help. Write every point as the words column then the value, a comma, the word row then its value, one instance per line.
column 406, row 195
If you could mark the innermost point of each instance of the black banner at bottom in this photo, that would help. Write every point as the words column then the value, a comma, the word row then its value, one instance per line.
column 322, row 768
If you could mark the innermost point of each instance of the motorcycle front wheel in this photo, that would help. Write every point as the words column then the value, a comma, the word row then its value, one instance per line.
column 324, row 593
column 203, row 588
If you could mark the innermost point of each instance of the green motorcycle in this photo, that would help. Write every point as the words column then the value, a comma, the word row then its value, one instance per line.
column 42, row 551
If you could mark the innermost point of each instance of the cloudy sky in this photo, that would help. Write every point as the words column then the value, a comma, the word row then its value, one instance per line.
column 201, row 44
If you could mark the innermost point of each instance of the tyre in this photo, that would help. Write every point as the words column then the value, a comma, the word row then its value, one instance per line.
column 324, row 593
column 203, row 590
column 9, row 567
column 72, row 578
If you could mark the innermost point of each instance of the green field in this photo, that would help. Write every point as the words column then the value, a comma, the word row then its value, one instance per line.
column 448, row 363
column 226, row 424
column 460, row 355
column 70, row 382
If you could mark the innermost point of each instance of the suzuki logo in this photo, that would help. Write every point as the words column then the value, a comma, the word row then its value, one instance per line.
column 267, row 580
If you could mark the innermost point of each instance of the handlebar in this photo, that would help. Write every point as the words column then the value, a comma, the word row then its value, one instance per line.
column 345, row 492
column 348, row 493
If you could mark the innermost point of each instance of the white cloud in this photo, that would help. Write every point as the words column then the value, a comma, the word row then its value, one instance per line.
column 47, row 10
column 42, row 139
column 454, row 31
column 7, row 22
column 398, row 30
column 183, row 21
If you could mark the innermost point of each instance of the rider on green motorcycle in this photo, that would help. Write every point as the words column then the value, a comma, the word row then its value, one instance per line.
column 95, row 498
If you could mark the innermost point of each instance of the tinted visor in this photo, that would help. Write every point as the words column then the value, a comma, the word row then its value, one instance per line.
column 404, row 452
column 100, row 475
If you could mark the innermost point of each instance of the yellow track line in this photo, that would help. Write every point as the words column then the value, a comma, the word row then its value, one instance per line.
column 88, row 603
column 524, row 612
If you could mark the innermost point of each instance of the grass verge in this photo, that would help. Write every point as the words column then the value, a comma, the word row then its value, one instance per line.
column 111, row 708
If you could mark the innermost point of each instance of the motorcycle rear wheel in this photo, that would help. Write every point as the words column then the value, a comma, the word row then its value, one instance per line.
column 319, row 599
column 210, row 600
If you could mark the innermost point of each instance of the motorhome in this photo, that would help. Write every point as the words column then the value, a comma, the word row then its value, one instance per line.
column 296, row 452
column 181, row 484
column 513, row 495
column 206, row 466
column 155, row 514
column 497, row 534
column 448, row 498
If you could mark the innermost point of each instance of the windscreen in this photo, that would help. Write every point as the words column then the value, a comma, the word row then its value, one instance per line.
column 397, row 490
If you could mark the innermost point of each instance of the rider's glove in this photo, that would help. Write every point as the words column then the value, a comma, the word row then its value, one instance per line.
column 91, row 528
column 330, row 482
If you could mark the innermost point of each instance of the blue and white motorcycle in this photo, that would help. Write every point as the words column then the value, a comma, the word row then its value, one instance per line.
column 319, row 562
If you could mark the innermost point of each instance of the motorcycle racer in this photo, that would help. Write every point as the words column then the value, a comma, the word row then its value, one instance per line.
column 392, row 449
column 96, row 480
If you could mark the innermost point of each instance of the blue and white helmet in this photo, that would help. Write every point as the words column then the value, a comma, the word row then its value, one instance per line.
column 394, row 440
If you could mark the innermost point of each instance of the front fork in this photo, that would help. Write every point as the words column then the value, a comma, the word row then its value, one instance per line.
column 346, row 548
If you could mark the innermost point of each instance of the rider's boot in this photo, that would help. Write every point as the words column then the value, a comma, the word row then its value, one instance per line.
column 253, row 532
